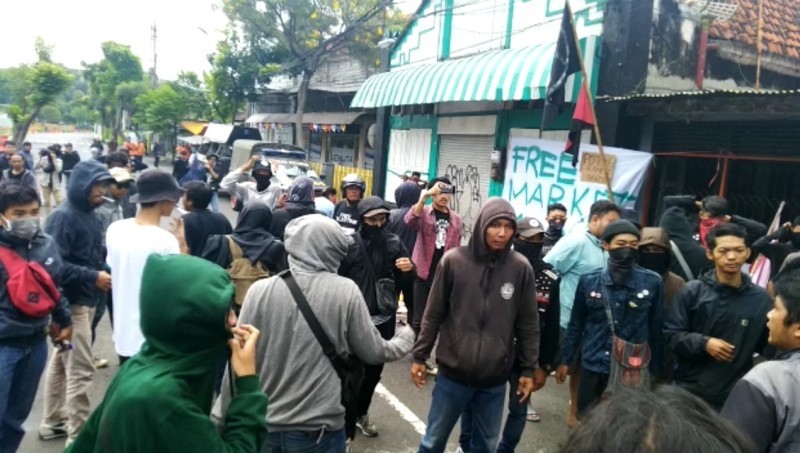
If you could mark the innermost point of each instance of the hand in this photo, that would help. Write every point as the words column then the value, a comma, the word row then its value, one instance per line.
column 561, row 373
column 524, row 389
column 243, row 350
column 250, row 163
column 64, row 335
column 433, row 191
column 727, row 218
column 699, row 205
column 418, row 374
column 103, row 282
column 539, row 379
column 404, row 265
column 282, row 200
column 787, row 226
column 178, row 230
column 720, row 350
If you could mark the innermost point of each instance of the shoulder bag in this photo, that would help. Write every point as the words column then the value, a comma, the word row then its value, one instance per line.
column 629, row 361
column 385, row 289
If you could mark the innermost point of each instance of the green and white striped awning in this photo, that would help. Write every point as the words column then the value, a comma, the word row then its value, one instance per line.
column 499, row 75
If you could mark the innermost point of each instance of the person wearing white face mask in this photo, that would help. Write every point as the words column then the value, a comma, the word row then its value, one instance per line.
column 129, row 242
column 23, row 346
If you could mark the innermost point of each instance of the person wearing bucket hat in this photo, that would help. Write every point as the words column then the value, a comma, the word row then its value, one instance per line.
column 376, row 259
column 617, row 321
column 130, row 242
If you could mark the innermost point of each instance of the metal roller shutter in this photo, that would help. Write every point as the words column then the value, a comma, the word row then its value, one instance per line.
column 464, row 159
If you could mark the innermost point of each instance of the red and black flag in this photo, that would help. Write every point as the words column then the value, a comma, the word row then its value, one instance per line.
column 565, row 63
column 581, row 119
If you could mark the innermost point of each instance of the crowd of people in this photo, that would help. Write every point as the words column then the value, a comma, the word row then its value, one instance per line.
column 279, row 342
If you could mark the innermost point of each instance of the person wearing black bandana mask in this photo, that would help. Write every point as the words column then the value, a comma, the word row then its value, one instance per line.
column 529, row 241
column 632, row 297
column 556, row 219
column 375, row 259
column 262, row 188
column 777, row 246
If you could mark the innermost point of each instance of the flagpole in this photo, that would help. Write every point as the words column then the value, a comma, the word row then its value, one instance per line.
column 586, row 86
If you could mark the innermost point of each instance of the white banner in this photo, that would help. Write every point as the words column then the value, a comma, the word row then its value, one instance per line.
column 540, row 173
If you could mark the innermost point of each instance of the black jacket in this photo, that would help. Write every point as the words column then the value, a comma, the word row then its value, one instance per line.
column 200, row 225
column 406, row 196
column 77, row 232
column 706, row 309
column 282, row 217
column 776, row 247
column 383, row 252
column 675, row 220
column 218, row 251
column 69, row 161
column 17, row 329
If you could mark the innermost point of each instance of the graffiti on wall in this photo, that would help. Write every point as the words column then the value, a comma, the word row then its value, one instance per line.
column 468, row 199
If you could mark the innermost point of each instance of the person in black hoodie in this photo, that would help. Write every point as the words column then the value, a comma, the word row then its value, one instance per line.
column 777, row 246
column 481, row 301
column 253, row 236
column 300, row 202
column 78, row 235
column 23, row 348
column 406, row 196
column 69, row 160
column 717, row 323
column 201, row 223
column 374, row 255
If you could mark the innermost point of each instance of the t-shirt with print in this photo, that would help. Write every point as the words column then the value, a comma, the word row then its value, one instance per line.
column 442, row 224
column 129, row 244
column 346, row 216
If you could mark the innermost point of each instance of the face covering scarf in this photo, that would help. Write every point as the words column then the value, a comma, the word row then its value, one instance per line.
column 707, row 225
column 620, row 264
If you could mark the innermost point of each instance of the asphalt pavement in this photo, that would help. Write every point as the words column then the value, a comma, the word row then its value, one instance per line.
column 399, row 408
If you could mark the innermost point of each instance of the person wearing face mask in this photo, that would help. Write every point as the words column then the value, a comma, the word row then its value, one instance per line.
column 300, row 202
column 375, row 254
column 23, row 346
column 264, row 187
column 777, row 246
column 130, row 242
column 78, row 235
column 556, row 219
column 623, row 295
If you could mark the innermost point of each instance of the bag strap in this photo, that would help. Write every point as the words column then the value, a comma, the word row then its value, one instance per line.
column 370, row 267
column 327, row 346
column 681, row 260
column 236, row 251
column 9, row 257
column 609, row 316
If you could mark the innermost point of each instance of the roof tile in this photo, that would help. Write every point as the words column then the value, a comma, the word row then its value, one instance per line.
column 781, row 26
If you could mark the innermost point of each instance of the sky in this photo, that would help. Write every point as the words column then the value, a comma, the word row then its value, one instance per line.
column 188, row 31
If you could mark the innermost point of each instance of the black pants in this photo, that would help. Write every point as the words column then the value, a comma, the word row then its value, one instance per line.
column 407, row 288
column 590, row 389
column 372, row 373
column 422, row 289
column 157, row 159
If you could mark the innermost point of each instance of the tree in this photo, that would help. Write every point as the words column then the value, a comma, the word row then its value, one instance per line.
column 197, row 97
column 238, row 68
column 50, row 114
column 161, row 109
column 304, row 32
column 119, row 65
column 43, row 83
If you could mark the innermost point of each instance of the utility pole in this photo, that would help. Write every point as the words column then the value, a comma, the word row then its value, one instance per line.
column 154, row 37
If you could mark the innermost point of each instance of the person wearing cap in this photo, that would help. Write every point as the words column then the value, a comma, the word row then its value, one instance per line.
column 129, row 243
column 374, row 255
column 69, row 159
column 300, row 202
column 264, row 187
column 481, row 308
column 530, row 242
column 632, row 297
column 78, row 236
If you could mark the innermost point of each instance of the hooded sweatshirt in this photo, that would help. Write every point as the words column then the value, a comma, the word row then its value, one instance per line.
column 300, row 203
column 675, row 220
column 161, row 398
column 672, row 282
column 17, row 329
column 406, row 196
column 479, row 303
column 78, row 234
column 303, row 387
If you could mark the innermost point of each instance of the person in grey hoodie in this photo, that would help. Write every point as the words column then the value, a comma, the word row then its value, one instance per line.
column 483, row 298
column 303, row 387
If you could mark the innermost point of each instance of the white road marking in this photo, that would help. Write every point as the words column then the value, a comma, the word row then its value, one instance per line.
column 404, row 411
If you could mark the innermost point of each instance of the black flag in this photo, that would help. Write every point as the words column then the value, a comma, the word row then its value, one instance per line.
column 565, row 63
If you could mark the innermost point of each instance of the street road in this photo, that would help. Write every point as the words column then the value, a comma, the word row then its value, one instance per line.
column 399, row 409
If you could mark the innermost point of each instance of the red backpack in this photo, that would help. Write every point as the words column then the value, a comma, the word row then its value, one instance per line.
column 29, row 285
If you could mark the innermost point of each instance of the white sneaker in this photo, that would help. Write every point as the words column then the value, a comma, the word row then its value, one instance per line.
column 49, row 431
column 367, row 428
column 100, row 363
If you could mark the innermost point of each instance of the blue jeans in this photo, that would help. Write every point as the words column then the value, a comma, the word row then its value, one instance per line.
column 305, row 442
column 450, row 400
column 215, row 202
column 515, row 422
column 20, row 371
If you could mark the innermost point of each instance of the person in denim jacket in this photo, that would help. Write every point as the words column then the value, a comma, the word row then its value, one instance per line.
column 637, row 307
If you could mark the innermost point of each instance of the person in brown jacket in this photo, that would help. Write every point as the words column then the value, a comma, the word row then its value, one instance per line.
column 654, row 254
column 483, row 299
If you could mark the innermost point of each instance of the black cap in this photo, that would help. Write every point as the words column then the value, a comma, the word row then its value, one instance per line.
column 372, row 205
column 262, row 164
column 154, row 186
column 620, row 227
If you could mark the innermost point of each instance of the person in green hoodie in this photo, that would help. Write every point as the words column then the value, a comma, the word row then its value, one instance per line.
column 161, row 399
